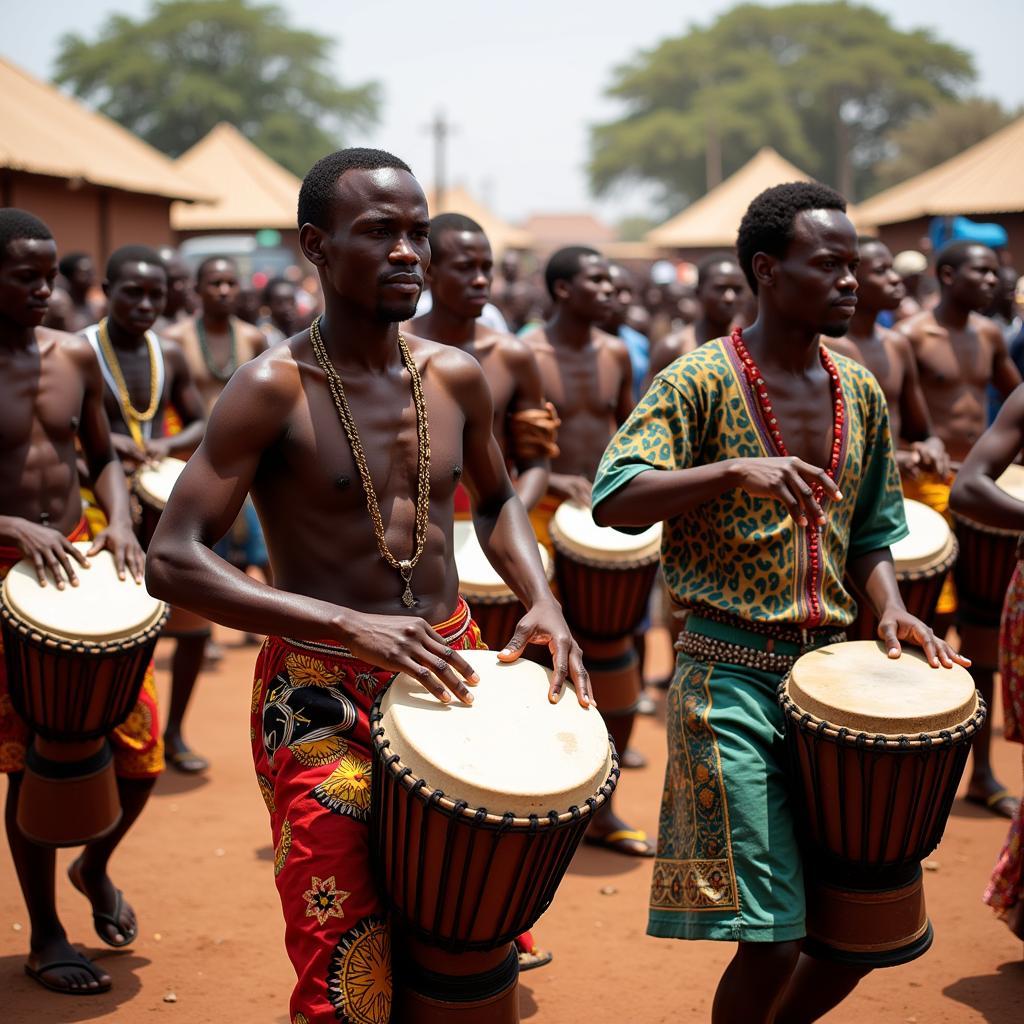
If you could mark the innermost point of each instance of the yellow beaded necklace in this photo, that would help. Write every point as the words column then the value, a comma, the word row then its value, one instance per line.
column 132, row 416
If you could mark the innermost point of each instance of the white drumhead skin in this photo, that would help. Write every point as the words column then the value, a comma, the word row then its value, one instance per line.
column 155, row 483
column 859, row 686
column 1012, row 481
column 101, row 607
column 574, row 525
column 509, row 751
column 929, row 541
column 477, row 577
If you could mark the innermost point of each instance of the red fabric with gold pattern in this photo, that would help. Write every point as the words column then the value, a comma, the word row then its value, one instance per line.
column 311, row 750
column 137, row 744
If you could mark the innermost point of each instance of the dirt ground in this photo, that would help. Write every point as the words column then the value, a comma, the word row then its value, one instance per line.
column 198, row 869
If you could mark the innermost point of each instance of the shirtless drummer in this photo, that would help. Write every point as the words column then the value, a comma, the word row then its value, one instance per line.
column 361, row 577
column 959, row 353
column 588, row 377
column 51, row 395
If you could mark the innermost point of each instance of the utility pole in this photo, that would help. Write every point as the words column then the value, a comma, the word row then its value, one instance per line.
column 440, row 128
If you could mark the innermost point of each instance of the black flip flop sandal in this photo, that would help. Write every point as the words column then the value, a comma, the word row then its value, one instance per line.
column 38, row 974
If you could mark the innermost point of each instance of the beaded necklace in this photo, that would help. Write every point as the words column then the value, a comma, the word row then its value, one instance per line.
column 132, row 416
column 221, row 373
column 760, row 392
column 404, row 566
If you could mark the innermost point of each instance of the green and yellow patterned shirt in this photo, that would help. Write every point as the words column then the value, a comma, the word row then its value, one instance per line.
column 737, row 553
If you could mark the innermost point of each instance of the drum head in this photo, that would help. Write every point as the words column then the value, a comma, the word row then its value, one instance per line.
column 929, row 542
column 1012, row 481
column 477, row 577
column 155, row 483
column 858, row 686
column 574, row 529
column 100, row 608
column 511, row 750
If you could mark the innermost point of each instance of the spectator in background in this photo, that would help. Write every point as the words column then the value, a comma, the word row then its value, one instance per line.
column 618, row 314
column 282, row 321
column 80, row 283
column 181, row 299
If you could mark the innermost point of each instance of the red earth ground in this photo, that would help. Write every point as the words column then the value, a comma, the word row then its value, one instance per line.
column 198, row 869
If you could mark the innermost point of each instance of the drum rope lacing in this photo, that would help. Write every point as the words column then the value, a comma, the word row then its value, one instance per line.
column 336, row 386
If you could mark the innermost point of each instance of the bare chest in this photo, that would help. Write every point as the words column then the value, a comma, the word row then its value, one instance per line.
column 577, row 383
column 805, row 417
column 44, row 405
column 955, row 359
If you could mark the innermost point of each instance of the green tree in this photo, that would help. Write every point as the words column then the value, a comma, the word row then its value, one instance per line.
column 172, row 76
column 823, row 83
column 929, row 140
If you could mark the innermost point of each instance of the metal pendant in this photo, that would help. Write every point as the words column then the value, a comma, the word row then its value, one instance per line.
column 405, row 568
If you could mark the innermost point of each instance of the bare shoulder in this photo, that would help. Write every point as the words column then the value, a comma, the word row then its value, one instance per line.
column 171, row 349
column 179, row 331
column 919, row 326
column 250, row 332
column 897, row 343
column 537, row 340
column 612, row 344
column 449, row 363
column 513, row 351
column 73, row 347
column 844, row 347
column 270, row 381
column 987, row 328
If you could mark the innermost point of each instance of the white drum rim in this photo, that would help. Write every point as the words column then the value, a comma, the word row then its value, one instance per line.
column 419, row 762
column 646, row 551
column 874, row 724
column 918, row 564
column 145, row 476
column 30, row 625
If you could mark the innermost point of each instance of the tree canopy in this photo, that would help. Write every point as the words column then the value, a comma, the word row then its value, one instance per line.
column 824, row 83
column 933, row 138
column 172, row 76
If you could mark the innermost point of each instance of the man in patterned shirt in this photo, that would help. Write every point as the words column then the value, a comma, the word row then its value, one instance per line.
column 726, row 449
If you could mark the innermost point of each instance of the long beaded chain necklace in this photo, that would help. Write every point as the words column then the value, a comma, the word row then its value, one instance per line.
column 760, row 391
column 221, row 373
column 404, row 566
column 132, row 417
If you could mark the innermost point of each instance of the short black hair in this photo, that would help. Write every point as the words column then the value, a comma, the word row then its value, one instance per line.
column 445, row 222
column 767, row 226
column 956, row 254
column 120, row 258
column 201, row 269
column 68, row 263
column 16, row 225
column 318, row 185
column 716, row 259
column 564, row 265
column 275, row 282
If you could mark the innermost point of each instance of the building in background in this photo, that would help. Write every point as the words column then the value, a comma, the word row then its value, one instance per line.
column 502, row 235
column 984, row 182
column 95, row 184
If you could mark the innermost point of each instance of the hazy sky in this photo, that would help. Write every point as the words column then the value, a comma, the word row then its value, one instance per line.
column 521, row 82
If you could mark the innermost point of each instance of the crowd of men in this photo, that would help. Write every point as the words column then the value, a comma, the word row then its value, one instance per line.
column 538, row 385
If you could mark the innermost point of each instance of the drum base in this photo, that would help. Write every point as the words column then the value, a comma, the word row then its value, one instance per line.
column 69, row 799
column 435, row 987
column 864, row 927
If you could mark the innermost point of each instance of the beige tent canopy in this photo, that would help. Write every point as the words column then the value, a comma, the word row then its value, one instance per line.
column 713, row 220
column 48, row 133
column 252, row 191
column 502, row 235
column 984, row 179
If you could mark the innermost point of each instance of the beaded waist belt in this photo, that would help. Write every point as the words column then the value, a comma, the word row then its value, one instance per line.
column 706, row 640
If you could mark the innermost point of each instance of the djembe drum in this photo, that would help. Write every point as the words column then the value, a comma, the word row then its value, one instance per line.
column 605, row 579
column 922, row 561
column 987, row 559
column 76, row 659
column 470, row 837
column 877, row 747
column 496, row 610
column 152, row 486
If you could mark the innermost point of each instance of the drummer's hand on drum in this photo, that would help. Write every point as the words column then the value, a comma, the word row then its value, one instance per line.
column 127, row 450
column 898, row 624
column 122, row 543
column 410, row 645
column 51, row 552
column 787, row 479
column 545, row 624
column 158, row 448
column 932, row 457
column 573, row 488
column 908, row 461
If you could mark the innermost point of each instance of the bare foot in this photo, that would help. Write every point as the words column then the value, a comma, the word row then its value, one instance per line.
column 112, row 916
column 59, row 967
